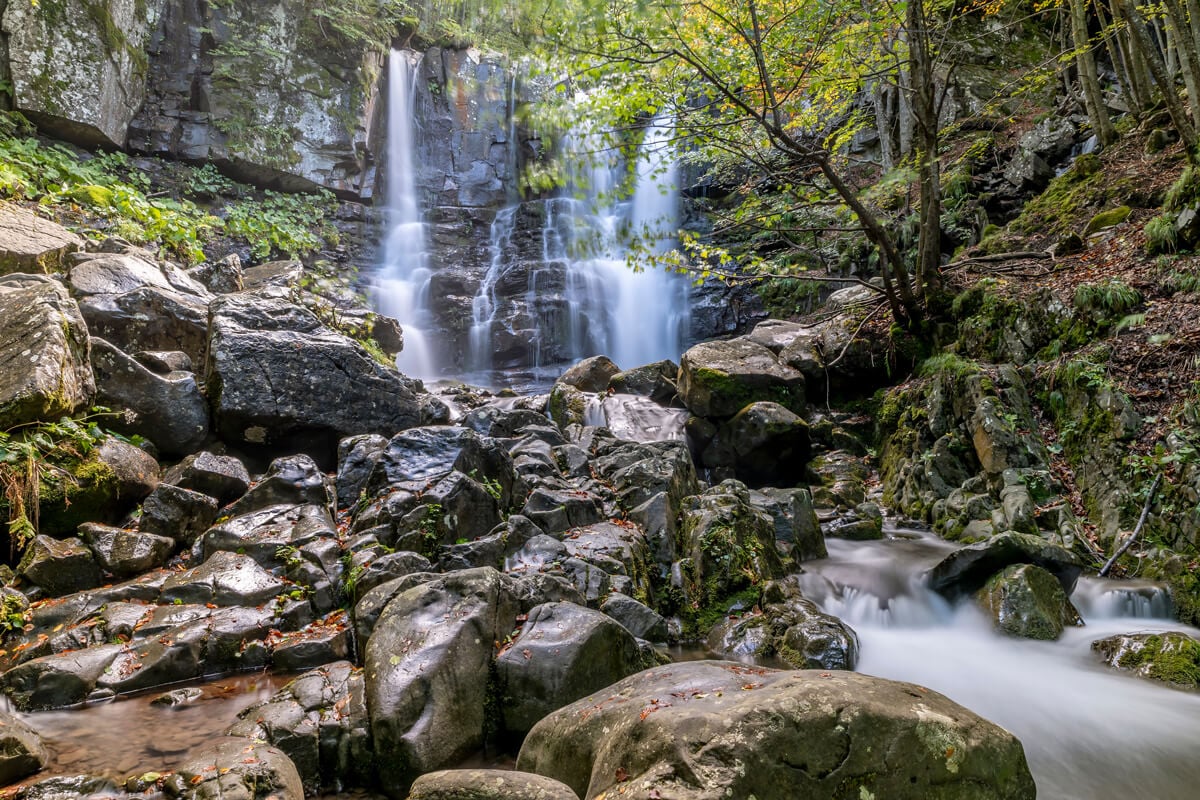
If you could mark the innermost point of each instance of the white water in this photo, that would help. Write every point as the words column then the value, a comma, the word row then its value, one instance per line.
column 633, row 315
column 402, row 287
column 636, row 418
column 1089, row 733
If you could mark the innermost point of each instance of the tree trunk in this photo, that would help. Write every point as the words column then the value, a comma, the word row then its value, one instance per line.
column 1180, row 33
column 1143, row 43
column 925, row 115
column 1119, row 57
column 1089, row 81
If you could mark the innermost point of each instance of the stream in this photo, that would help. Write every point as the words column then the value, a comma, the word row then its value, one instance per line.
column 1089, row 733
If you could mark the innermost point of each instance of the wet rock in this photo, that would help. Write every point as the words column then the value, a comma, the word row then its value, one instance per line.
column 568, row 405
column 178, row 513
column 564, row 652
column 501, row 422
column 289, row 479
column 239, row 770
column 656, row 381
column 320, row 722
column 135, row 471
column 488, row 784
column 637, row 618
column 557, row 510
column 21, row 750
column 44, row 371
column 855, row 528
column 719, row 379
column 418, row 455
column 763, row 445
column 58, row 680
column 427, row 666
column 468, row 509
column 29, row 243
column 222, row 477
column 59, row 566
column 126, row 553
column 357, row 456
column 69, row 787
column 178, row 697
column 278, row 377
column 1169, row 657
column 322, row 642
column 219, row 277
column 1027, row 601
column 681, row 730
column 164, row 362
column 795, row 520
column 591, row 374
column 965, row 571
column 272, row 536
column 388, row 567
column 168, row 410
column 225, row 579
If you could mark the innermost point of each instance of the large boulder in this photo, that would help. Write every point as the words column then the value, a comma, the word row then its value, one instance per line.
column 59, row 566
column 564, row 652
column 278, row 377
column 236, row 769
column 427, row 665
column 764, row 445
column 591, row 374
column 966, row 570
column 169, row 410
column 719, row 379
column 44, row 372
column 29, row 243
column 1027, row 601
column 78, row 68
column 712, row 729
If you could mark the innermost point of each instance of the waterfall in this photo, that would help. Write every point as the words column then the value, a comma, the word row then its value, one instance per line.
column 402, row 286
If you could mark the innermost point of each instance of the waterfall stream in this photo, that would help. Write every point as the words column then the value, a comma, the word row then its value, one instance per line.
column 402, row 286
column 1088, row 732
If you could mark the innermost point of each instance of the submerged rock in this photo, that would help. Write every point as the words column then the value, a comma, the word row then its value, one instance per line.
column 21, row 750
column 1024, row 600
column 698, row 730
column 488, row 784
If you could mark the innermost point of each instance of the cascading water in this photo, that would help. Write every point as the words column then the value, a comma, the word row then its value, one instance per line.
column 402, row 286
column 633, row 317
column 1088, row 733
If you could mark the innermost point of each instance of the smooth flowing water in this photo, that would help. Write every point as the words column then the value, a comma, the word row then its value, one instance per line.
column 402, row 285
column 1089, row 733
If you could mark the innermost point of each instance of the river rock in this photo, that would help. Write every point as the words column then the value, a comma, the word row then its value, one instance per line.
column 796, row 523
column 763, row 445
column 719, row 379
column 289, row 479
column 225, row 579
column 126, row 553
column 637, row 618
column 272, row 536
column 236, row 769
column 319, row 721
column 557, row 510
column 57, row 680
column 656, row 381
column 220, row 277
column 488, row 784
column 419, row 454
column 178, row 513
column 1027, row 601
column 44, row 370
column 568, row 405
column 564, row 652
column 966, row 570
column 279, row 378
column 59, row 566
column 357, row 456
column 21, row 750
column 591, row 374
column 169, row 410
column 29, row 243
column 220, row 477
column 1171, row 657
column 701, row 730
column 427, row 666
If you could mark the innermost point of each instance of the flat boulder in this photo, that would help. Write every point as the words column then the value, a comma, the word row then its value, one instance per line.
column 278, row 377
column 29, row 243
column 44, row 369
column 719, row 379
column 1170, row 657
column 967, row 569
column 717, row 729
column 488, row 784
column 236, row 769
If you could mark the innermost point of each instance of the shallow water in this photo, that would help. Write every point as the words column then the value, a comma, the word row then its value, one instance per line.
column 128, row 736
column 1089, row 733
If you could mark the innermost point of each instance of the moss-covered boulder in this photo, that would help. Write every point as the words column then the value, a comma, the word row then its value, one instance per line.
column 708, row 730
column 719, row 379
column 1170, row 657
column 44, row 371
column 1107, row 219
column 1027, row 601
column 967, row 569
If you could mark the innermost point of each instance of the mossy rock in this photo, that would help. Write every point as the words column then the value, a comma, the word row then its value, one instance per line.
column 1107, row 219
column 1171, row 657
column 1027, row 601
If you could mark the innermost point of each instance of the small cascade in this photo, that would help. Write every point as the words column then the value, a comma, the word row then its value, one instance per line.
column 402, row 286
column 634, row 316
column 483, row 307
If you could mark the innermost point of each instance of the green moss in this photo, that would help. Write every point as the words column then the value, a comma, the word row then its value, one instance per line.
column 1107, row 219
column 947, row 364
column 1185, row 594
column 698, row 623
column 1169, row 657
column 784, row 298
